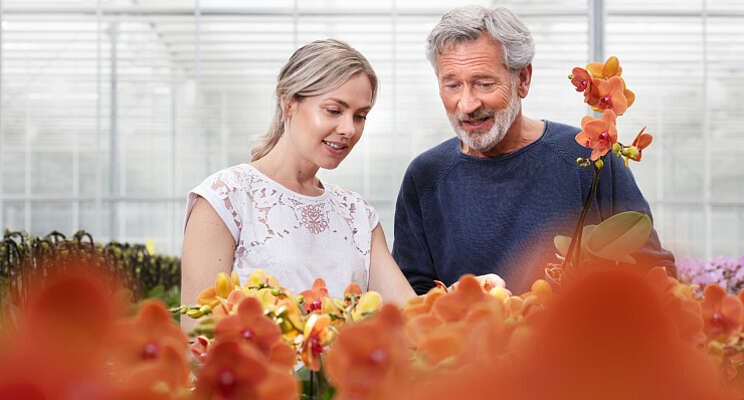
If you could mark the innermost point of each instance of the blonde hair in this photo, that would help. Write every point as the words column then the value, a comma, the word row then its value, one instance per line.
column 313, row 69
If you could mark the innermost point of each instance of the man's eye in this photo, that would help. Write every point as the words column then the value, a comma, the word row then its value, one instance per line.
column 451, row 85
column 485, row 85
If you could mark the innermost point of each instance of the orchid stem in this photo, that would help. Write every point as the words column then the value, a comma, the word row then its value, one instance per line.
column 575, row 247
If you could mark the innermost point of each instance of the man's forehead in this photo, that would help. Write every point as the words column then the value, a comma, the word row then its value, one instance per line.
column 480, row 56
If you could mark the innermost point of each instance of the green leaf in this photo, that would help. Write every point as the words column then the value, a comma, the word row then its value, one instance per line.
column 619, row 236
column 562, row 243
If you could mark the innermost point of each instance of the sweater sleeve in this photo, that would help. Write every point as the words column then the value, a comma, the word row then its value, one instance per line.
column 618, row 192
column 410, row 248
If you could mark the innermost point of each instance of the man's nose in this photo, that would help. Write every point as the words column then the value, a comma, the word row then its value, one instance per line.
column 468, row 102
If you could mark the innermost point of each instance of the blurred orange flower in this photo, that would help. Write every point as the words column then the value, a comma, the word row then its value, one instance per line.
column 250, row 325
column 370, row 359
column 150, row 348
column 722, row 313
column 235, row 370
column 598, row 134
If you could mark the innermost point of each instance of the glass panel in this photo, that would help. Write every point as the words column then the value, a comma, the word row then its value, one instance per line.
column 725, row 42
column 50, row 216
column 681, row 230
column 728, row 231
column 14, row 173
column 51, row 173
column 14, row 213
column 147, row 220
column 95, row 220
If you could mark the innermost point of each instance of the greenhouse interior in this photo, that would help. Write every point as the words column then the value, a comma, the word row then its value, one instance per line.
column 115, row 113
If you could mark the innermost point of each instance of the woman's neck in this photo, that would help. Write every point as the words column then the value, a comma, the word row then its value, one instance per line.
column 290, row 170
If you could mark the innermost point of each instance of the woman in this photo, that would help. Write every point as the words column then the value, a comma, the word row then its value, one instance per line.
column 274, row 213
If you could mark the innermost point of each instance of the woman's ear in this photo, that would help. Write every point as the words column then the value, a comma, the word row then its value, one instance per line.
column 289, row 106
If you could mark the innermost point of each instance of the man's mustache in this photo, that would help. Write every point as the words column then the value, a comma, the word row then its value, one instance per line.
column 477, row 114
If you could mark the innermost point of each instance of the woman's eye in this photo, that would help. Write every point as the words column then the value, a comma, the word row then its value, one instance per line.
column 361, row 117
column 332, row 111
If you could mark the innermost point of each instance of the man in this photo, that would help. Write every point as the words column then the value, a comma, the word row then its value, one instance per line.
column 491, row 199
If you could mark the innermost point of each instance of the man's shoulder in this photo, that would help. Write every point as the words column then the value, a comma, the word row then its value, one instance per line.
column 561, row 139
column 430, row 164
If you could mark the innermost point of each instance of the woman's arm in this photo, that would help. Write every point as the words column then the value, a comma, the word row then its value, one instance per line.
column 208, row 249
column 384, row 275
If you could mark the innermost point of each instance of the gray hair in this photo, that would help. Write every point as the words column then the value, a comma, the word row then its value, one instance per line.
column 468, row 23
column 313, row 69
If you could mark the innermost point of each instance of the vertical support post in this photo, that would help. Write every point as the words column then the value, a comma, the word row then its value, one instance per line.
column 2, row 131
column 113, row 139
column 597, row 19
column 707, row 158
column 99, row 131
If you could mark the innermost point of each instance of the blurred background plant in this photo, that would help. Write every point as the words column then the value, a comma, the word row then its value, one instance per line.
column 725, row 272
column 145, row 273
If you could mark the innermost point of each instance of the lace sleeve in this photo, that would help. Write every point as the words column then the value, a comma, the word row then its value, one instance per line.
column 221, row 190
column 372, row 216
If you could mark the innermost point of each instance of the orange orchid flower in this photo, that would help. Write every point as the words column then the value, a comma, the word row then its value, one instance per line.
column 455, row 305
column 316, row 337
column 370, row 359
column 641, row 141
column 200, row 348
column 353, row 290
column 251, row 326
column 598, row 134
column 235, row 370
column 722, row 313
column 315, row 297
column 609, row 95
column 581, row 79
column 421, row 305
column 605, row 70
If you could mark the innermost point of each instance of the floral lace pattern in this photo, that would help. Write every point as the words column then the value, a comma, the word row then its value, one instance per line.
column 297, row 238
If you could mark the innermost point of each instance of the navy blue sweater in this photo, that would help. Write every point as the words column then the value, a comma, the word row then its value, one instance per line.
column 459, row 214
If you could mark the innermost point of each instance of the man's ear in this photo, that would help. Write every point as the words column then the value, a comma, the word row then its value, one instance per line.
column 524, row 80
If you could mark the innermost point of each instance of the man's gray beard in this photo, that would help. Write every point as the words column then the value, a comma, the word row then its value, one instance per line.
column 502, row 121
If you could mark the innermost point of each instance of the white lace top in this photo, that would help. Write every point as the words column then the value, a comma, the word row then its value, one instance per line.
column 294, row 237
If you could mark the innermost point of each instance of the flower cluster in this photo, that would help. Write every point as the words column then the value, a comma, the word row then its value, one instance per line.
column 640, row 336
column 285, row 327
column 725, row 272
column 605, row 91
column 76, row 338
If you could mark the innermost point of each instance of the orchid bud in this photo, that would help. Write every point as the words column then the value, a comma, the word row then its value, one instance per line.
column 633, row 152
column 599, row 164
column 616, row 147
